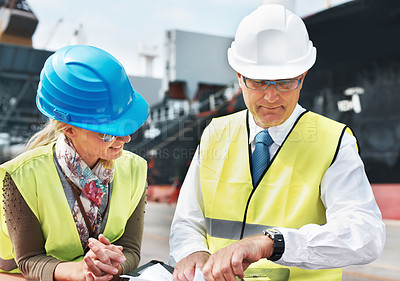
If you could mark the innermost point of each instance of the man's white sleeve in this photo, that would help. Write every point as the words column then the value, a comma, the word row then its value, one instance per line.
column 188, row 231
column 354, row 232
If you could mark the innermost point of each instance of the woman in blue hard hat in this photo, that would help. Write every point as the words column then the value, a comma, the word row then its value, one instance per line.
column 73, row 203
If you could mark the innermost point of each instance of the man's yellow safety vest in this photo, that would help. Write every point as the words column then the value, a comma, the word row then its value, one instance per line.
column 288, row 194
column 37, row 179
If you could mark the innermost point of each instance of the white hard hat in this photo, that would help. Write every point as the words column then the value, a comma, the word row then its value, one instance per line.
column 271, row 43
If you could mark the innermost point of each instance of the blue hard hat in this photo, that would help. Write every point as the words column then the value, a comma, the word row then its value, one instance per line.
column 88, row 88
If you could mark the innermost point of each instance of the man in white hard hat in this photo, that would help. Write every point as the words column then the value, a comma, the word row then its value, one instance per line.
column 275, row 190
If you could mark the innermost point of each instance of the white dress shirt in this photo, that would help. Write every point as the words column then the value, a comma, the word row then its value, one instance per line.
column 354, row 232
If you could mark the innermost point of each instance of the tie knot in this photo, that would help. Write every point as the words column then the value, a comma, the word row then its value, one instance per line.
column 263, row 137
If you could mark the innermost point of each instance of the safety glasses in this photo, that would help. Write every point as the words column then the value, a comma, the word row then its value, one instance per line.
column 283, row 85
column 108, row 138
column 104, row 137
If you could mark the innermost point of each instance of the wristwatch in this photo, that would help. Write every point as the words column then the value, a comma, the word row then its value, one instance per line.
column 279, row 243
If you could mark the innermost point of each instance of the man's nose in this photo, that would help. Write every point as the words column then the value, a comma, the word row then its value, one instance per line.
column 271, row 93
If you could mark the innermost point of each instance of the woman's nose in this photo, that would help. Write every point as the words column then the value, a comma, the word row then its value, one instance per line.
column 125, row 139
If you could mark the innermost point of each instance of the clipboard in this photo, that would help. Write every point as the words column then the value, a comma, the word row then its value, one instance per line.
column 136, row 272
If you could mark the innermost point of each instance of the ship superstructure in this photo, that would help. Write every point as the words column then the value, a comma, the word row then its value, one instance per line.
column 356, row 80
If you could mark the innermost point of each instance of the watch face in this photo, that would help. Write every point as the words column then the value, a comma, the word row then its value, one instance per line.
column 273, row 230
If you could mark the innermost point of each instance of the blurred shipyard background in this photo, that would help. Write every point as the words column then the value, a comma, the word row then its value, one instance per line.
column 175, row 54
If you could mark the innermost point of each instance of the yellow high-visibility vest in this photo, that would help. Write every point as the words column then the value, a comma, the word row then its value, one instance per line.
column 288, row 194
column 36, row 177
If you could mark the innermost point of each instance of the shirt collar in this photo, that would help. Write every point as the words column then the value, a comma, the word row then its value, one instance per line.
column 277, row 133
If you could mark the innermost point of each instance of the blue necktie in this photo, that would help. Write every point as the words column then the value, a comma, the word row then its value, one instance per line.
column 261, row 157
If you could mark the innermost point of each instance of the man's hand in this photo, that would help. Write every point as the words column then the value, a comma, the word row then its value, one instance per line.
column 184, row 270
column 234, row 259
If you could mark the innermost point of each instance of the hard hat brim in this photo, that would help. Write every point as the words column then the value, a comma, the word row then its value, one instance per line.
column 271, row 72
column 128, row 123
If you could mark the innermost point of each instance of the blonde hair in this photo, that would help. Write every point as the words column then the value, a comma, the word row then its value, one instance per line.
column 50, row 132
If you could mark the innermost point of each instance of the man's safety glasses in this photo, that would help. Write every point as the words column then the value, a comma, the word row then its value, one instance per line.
column 283, row 85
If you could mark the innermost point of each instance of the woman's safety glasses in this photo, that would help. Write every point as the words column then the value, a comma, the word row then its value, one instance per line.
column 104, row 137
column 108, row 138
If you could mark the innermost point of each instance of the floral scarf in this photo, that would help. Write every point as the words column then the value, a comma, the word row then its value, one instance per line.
column 93, row 184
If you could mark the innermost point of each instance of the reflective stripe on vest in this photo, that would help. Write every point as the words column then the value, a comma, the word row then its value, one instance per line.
column 288, row 194
column 36, row 177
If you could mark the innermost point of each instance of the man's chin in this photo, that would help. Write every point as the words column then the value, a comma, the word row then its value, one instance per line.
column 269, row 120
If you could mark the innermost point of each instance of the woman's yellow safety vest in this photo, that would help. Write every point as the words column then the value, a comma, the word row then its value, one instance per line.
column 288, row 194
column 37, row 179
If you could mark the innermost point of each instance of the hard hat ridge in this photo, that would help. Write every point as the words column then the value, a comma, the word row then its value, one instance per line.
column 87, row 87
column 271, row 43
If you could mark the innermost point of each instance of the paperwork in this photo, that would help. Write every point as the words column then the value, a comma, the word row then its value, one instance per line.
column 153, row 273
column 198, row 275
column 158, row 273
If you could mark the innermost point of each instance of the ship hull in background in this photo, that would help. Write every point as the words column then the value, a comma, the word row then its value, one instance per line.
column 356, row 79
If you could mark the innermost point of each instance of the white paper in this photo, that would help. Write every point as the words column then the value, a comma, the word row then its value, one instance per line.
column 198, row 275
column 153, row 273
column 132, row 278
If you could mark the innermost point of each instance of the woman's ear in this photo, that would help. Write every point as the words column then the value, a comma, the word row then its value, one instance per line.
column 70, row 131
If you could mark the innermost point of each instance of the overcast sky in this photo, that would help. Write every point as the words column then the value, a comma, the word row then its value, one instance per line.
column 120, row 26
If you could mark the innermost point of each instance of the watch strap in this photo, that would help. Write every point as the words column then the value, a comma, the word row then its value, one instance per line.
column 279, row 243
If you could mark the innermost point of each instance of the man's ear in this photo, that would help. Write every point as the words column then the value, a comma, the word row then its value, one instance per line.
column 304, row 74
column 302, row 80
column 239, row 79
